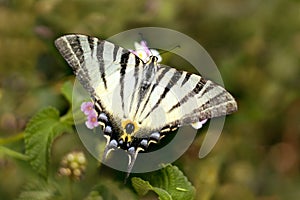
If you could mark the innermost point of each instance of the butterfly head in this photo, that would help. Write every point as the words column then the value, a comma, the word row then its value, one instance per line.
column 153, row 59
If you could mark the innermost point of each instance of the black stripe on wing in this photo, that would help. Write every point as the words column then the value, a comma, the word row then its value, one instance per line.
column 70, row 48
column 191, row 94
column 176, row 76
column 222, row 103
column 136, row 79
column 123, row 63
column 76, row 48
column 161, row 75
column 186, row 78
column 100, row 49
column 115, row 52
column 91, row 41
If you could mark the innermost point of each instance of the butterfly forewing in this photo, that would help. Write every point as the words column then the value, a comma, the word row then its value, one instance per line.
column 100, row 66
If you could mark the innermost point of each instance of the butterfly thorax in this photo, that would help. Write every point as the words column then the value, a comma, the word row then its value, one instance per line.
column 129, row 129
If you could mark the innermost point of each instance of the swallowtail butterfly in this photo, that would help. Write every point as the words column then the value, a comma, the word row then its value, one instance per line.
column 139, row 102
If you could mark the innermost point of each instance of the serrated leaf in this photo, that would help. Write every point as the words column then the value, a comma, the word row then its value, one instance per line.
column 168, row 183
column 67, row 90
column 174, row 181
column 141, row 187
column 39, row 134
column 162, row 194
column 39, row 191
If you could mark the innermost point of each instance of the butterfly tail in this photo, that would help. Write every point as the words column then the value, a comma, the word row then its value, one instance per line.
column 132, row 155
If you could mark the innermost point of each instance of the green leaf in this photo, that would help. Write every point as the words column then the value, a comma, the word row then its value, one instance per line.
column 40, row 190
column 94, row 195
column 67, row 90
column 142, row 187
column 162, row 194
column 168, row 183
column 39, row 134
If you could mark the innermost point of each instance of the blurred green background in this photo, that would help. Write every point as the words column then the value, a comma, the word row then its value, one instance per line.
column 255, row 44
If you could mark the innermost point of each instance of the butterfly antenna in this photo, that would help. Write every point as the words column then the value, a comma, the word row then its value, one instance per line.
column 166, row 51
column 142, row 36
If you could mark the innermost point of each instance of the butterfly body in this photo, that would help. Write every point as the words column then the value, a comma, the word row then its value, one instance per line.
column 139, row 102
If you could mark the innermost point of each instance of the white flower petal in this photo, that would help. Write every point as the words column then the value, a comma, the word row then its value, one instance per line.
column 156, row 53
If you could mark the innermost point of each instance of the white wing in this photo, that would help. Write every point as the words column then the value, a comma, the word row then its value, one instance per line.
column 103, row 69
column 179, row 98
column 115, row 77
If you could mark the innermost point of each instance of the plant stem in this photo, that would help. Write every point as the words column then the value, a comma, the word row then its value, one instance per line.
column 12, row 138
column 12, row 153
column 67, row 118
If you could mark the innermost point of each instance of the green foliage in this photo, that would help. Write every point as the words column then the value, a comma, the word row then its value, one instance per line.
column 110, row 190
column 255, row 45
column 205, row 175
column 39, row 135
column 40, row 190
column 66, row 90
column 47, row 125
column 14, row 154
column 94, row 195
column 142, row 188
column 169, row 184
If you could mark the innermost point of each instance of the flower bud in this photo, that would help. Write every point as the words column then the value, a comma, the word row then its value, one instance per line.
column 73, row 165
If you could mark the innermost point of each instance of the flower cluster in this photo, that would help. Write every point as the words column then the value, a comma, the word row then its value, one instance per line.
column 143, row 51
column 88, row 109
column 73, row 165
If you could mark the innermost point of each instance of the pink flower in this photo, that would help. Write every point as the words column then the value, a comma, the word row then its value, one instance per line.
column 87, row 108
column 203, row 121
column 198, row 125
column 92, row 120
column 144, row 46
column 143, row 51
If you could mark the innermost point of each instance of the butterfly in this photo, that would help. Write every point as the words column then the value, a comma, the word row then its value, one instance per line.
column 139, row 102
